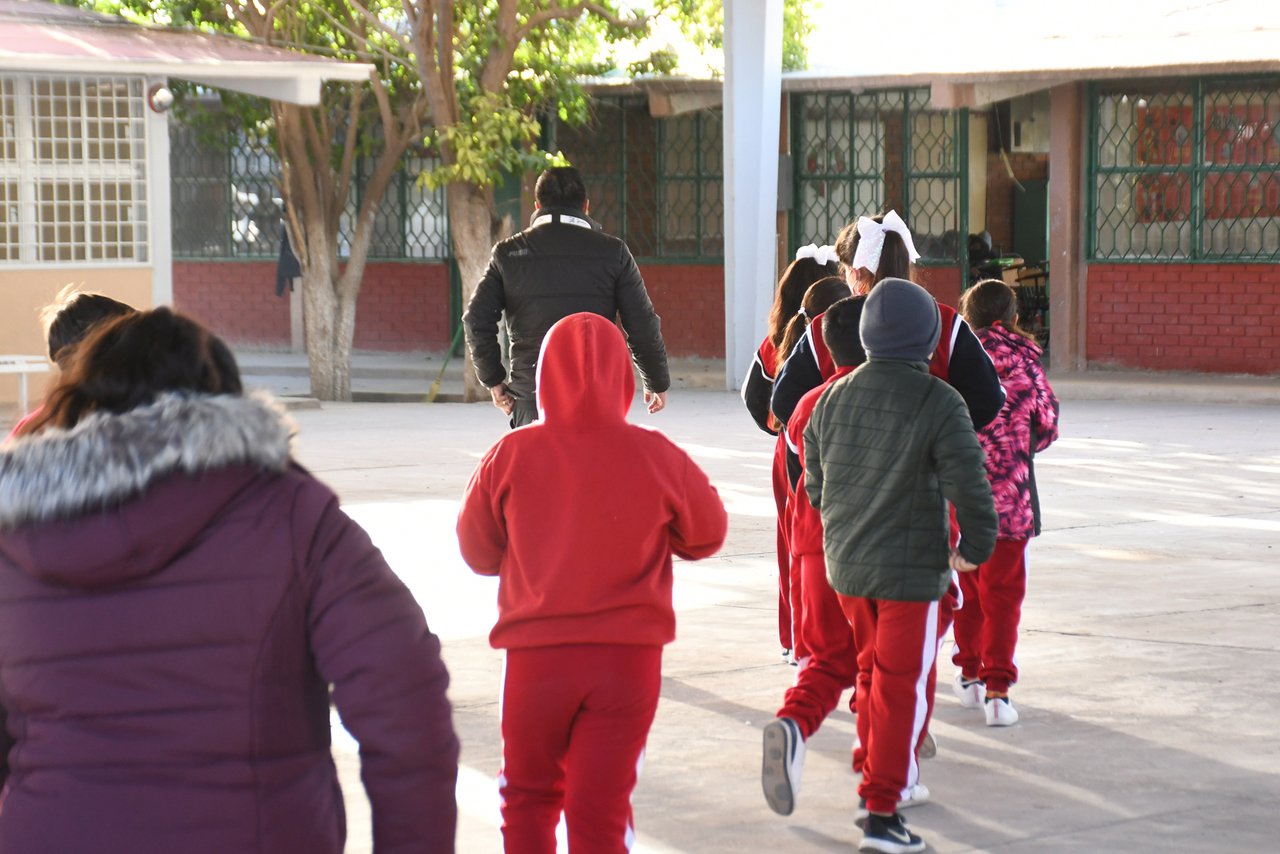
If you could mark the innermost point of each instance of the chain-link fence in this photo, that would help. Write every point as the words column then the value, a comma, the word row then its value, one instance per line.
column 862, row 154
column 1185, row 170
column 656, row 183
column 226, row 204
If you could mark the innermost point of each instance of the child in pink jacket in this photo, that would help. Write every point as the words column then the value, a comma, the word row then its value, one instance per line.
column 986, row 627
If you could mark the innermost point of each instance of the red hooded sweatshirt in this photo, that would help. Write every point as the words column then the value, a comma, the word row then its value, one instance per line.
column 579, row 513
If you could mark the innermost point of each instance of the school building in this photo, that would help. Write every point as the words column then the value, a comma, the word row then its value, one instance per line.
column 84, row 153
column 1129, row 187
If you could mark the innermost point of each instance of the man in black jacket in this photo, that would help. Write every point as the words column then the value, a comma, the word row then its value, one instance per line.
column 561, row 265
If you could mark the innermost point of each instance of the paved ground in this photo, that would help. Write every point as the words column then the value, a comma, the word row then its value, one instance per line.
column 1150, row 646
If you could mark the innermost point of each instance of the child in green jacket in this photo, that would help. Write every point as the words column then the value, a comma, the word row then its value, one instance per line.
column 886, row 449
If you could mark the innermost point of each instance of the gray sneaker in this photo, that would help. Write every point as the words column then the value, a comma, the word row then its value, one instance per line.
column 783, row 762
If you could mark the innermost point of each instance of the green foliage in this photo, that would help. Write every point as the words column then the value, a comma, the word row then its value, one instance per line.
column 703, row 24
column 495, row 137
column 659, row 62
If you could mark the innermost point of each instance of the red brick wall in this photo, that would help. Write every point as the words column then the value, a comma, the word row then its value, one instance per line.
column 405, row 307
column 236, row 299
column 1216, row 318
column 690, row 301
column 401, row 307
column 942, row 282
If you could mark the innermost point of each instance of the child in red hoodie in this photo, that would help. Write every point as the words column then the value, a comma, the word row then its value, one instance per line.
column 578, row 514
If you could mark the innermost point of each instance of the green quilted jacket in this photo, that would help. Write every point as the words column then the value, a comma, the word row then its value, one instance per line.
column 885, row 450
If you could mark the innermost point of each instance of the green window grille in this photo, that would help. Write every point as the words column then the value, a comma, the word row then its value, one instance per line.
column 656, row 183
column 226, row 204
column 691, row 185
column 1185, row 170
column 862, row 154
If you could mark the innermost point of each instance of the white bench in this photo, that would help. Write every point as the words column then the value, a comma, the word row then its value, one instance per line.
column 23, row 365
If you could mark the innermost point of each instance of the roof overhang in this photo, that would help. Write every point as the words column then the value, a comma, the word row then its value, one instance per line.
column 42, row 38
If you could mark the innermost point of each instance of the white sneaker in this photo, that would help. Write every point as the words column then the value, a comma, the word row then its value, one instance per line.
column 970, row 691
column 783, row 762
column 1000, row 712
column 916, row 795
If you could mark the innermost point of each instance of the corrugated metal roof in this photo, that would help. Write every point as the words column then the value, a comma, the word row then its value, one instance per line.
column 41, row 37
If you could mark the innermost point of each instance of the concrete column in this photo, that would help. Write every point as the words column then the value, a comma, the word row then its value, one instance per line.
column 752, row 93
column 1067, row 269
column 160, row 231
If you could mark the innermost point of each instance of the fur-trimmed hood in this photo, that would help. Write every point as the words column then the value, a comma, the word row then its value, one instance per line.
column 116, row 495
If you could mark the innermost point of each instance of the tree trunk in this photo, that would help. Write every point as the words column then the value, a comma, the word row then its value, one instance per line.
column 319, row 310
column 471, row 222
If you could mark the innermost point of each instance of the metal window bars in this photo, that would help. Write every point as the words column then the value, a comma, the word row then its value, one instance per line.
column 865, row 153
column 1185, row 170
column 73, row 170
column 226, row 204
column 657, row 183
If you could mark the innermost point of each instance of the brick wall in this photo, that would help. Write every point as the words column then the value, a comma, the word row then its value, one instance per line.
column 690, row 301
column 942, row 282
column 401, row 307
column 405, row 307
column 1216, row 318
column 236, row 299
column 1000, row 190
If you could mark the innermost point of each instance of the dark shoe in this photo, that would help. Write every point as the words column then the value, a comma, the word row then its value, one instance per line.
column 890, row 835
column 860, row 817
column 783, row 762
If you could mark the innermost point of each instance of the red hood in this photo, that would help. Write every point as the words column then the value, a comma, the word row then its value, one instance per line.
column 584, row 373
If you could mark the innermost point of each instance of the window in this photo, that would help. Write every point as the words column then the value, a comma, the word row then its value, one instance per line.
column 859, row 155
column 691, row 185
column 73, row 170
column 1185, row 170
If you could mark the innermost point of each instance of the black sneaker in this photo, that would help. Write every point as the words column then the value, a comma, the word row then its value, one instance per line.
column 890, row 835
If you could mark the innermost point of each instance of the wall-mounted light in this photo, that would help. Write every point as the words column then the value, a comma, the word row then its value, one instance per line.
column 159, row 98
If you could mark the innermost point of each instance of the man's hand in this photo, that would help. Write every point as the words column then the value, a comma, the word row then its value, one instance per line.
column 502, row 399
column 656, row 401
column 959, row 564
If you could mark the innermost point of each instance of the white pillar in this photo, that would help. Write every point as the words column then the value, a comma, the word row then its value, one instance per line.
column 752, row 99
column 160, row 233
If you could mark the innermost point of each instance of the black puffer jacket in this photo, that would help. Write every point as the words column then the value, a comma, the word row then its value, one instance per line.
column 550, row 271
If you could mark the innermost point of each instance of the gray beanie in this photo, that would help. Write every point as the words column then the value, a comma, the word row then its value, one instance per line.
column 900, row 322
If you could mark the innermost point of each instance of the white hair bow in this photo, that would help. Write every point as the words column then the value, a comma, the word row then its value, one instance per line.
column 871, row 240
column 822, row 254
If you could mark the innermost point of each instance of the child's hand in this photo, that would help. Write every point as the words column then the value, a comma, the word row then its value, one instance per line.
column 959, row 564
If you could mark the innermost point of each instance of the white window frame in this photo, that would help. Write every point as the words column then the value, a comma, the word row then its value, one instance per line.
column 29, row 171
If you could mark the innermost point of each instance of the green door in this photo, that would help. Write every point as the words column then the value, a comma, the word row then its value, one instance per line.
column 1031, row 222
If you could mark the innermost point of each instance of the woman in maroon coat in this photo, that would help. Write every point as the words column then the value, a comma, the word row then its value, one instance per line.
column 179, row 603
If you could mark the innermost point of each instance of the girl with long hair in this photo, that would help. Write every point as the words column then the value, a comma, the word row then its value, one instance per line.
column 180, row 603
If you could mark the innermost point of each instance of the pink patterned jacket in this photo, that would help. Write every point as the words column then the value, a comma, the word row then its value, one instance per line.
column 1028, row 423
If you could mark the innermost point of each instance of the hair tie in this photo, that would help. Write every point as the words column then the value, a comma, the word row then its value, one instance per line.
column 871, row 236
column 824, row 255
column 803, row 313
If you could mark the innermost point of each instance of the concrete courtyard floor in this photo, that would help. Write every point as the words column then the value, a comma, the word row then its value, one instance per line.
column 1150, row 646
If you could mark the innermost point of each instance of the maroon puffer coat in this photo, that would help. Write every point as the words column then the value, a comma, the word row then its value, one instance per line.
column 176, row 599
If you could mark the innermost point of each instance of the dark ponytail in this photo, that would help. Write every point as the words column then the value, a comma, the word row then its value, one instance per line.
column 820, row 296
column 989, row 302
column 792, row 287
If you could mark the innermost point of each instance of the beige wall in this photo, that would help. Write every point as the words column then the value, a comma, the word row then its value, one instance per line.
column 24, row 292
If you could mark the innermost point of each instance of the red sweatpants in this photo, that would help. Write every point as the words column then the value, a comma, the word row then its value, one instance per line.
column 986, row 629
column 780, row 497
column 897, row 650
column 574, row 723
column 824, row 633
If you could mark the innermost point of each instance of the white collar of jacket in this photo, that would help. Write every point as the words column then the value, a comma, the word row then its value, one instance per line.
column 107, row 458
column 569, row 216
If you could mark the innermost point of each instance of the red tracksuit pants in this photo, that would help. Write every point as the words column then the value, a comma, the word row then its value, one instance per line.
column 574, row 723
column 897, row 653
column 823, row 633
column 780, row 498
column 986, row 629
